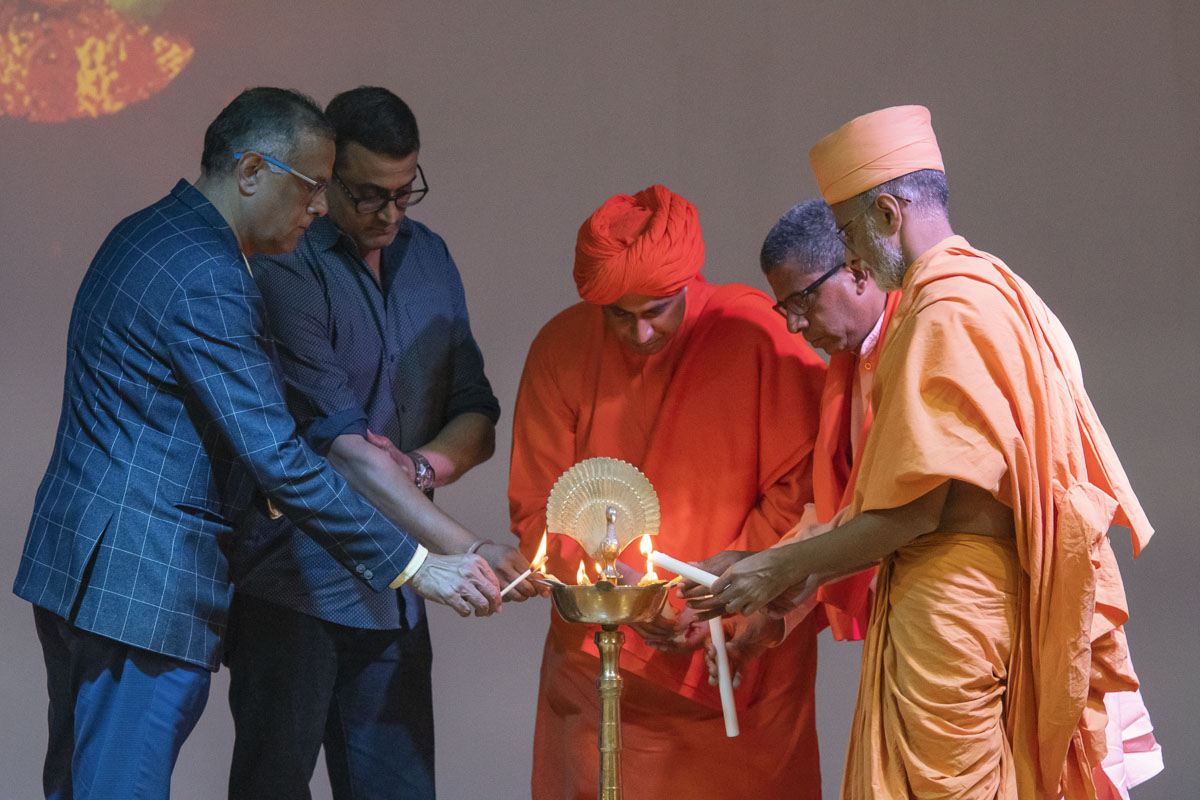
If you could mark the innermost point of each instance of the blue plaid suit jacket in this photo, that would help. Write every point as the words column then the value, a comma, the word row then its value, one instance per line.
column 173, row 423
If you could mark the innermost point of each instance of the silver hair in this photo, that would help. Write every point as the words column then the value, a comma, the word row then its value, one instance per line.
column 925, row 190
column 807, row 234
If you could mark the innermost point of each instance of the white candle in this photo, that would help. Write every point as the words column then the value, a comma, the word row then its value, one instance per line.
column 681, row 568
column 518, row 579
column 538, row 563
column 724, row 679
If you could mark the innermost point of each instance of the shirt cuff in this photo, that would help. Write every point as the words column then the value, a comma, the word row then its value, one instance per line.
column 322, row 431
column 414, row 564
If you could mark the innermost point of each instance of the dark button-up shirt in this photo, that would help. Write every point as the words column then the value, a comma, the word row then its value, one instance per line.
column 396, row 357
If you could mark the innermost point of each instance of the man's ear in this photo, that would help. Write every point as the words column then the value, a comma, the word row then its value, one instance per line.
column 249, row 172
column 862, row 278
column 892, row 215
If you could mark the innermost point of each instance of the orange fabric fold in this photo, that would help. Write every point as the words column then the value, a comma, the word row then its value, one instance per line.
column 722, row 421
column 979, row 382
column 649, row 243
column 845, row 605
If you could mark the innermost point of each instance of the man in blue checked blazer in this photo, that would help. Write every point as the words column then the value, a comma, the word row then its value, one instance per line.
column 173, row 427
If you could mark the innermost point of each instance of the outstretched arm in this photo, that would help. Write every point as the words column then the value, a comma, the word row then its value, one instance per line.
column 753, row 582
column 377, row 476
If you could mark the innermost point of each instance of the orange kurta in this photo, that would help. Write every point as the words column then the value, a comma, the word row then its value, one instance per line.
column 979, row 382
column 844, row 604
column 722, row 421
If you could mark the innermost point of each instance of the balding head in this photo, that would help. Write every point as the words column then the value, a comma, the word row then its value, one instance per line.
column 263, row 120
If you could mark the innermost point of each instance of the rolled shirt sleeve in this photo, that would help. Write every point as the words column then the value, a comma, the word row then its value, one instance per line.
column 471, row 391
column 319, row 391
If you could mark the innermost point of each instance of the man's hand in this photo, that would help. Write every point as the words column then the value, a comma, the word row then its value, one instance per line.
column 716, row 565
column 464, row 582
column 673, row 632
column 751, row 583
column 508, row 563
column 793, row 596
column 746, row 638
column 402, row 460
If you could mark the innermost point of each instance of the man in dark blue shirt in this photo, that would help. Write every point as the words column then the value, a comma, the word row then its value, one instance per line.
column 173, row 423
column 384, row 377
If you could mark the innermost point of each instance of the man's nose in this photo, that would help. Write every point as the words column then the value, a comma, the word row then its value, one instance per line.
column 796, row 323
column 390, row 212
column 645, row 331
column 318, row 205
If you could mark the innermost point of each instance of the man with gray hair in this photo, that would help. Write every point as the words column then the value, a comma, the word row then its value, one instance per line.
column 985, row 492
column 834, row 303
column 173, row 425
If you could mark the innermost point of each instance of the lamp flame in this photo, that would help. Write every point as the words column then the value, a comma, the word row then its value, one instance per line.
column 647, row 547
column 581, row 576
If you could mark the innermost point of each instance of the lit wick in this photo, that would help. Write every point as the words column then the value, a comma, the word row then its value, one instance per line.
column 647, row 547
column 538, row 564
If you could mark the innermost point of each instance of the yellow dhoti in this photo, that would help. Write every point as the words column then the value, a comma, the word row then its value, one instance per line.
column 929, row 722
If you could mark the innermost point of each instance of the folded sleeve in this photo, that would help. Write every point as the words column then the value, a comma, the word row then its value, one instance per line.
column 300, row 322
column 471, row 391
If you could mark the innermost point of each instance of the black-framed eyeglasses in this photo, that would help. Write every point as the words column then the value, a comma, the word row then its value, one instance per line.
column 844, row 238
column 408, row 196
column 315, row 187
column 798, row 303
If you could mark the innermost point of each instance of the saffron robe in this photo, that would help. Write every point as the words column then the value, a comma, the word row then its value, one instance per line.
column 722, row 421
column 980, row 383
column 844, row 605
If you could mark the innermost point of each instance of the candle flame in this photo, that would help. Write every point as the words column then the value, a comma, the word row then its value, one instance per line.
column 539, row 558
column 647, row 547
column 581, row 577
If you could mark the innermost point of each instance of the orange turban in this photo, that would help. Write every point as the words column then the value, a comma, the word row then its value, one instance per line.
column 646, row 244
column 873, row 149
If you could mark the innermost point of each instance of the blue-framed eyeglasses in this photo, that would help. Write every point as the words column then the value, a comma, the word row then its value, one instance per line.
column 799, row 303
column 315, row 187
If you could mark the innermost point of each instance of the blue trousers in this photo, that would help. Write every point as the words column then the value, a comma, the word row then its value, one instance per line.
column 118, row 714
column 297, row 682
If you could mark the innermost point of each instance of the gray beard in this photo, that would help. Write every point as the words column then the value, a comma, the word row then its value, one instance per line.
column 884, row 259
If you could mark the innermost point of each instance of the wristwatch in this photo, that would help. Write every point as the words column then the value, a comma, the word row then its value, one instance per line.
column 425, row 475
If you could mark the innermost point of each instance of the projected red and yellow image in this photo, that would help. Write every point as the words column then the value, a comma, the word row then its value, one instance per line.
column 67, row 59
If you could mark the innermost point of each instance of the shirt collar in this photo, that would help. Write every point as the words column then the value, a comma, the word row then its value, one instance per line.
column 873, row 337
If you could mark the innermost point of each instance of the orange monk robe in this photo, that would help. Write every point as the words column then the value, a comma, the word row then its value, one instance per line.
column 980, row 383
column 722, row 421
column 845, row 605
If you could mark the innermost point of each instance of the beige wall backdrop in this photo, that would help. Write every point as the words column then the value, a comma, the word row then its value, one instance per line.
column 1069, row 135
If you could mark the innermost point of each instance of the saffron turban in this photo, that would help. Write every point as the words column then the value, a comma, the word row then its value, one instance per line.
column 647, row 244
column 874, row 149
